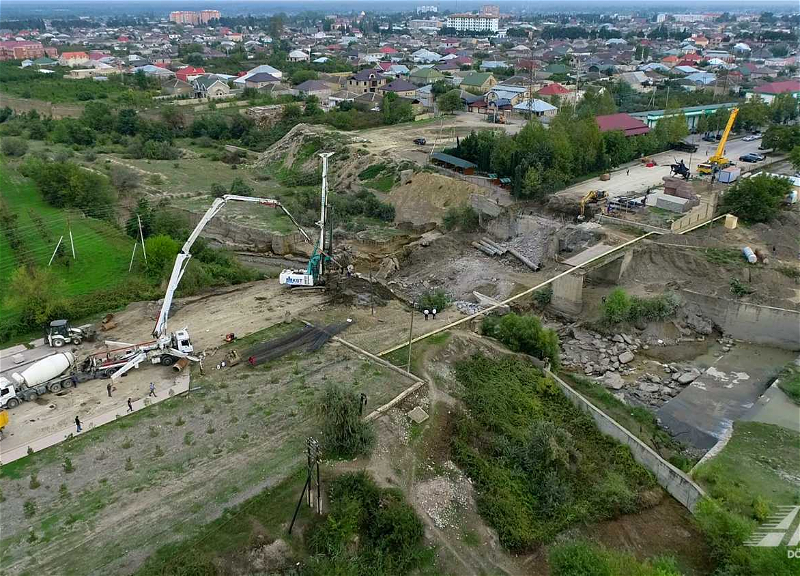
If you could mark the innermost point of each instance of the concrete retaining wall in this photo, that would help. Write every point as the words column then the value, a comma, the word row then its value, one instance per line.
column 751, row 322
column 678, row 484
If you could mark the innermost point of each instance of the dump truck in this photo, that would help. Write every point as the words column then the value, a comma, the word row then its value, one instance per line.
column 49, row 374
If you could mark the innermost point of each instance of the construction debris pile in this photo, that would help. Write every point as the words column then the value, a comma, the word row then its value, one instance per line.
column 310, row 338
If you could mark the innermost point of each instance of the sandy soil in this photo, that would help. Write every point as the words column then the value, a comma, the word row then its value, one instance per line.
column 151, row 477
column 242, row 310
column 428, row 196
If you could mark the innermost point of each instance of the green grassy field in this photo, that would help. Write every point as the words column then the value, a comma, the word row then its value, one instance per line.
column 102, row 251
column 759, row 463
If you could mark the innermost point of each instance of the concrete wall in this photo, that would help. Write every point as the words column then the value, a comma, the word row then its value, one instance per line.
column 678, row 484
column 568, row 293
column 751, row 322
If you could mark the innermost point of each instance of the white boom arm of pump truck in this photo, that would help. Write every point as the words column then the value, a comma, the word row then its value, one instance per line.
column 163, row 339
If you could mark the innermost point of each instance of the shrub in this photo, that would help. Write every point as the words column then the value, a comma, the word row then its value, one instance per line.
column 437, row 299
column 724, row 531
column 578, row 559
column 463, row 218
column 68, row 467
column 14, row 147
column 619, row 307
column 159, row 452
column 371, row 172
column 544, row 296
column 29, row 507
column 756, row 199
column 34, row 483
column 128, row 464
column 344, row 433
column 123, row 179
column 524, row 334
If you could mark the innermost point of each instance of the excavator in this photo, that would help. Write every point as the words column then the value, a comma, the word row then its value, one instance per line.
column 591, row 197
column 718, row 161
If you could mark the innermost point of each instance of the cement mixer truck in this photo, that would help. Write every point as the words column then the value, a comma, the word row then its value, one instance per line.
column 49, row 374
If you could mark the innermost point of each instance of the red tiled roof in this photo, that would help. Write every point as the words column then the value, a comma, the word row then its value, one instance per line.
column 387, row 50
column 779, row 87
column 625, row 122
column 74, row 55
column 553, row 89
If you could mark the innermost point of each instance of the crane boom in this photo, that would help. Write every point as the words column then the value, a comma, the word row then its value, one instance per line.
column 183, row 257
column 724, row 140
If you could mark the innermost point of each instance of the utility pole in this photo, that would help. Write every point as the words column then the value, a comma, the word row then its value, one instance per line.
column 410, row 332
column 312, row 459
column 130, row 266
column 141, row 235
column 71, row 241
column 56, row 250
column 371, row 295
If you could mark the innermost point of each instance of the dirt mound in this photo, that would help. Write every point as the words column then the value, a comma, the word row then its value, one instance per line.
column 428, row 196
column 287, row 148
column 656, row 266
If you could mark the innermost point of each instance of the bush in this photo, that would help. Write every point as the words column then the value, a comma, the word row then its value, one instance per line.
column 463, row 218
column 724, row 531
column 756, row 199
column 124, row 179
column 345, row 434
column 524, row 334
column 437, row 299
column 14, row 147
column 619, row 307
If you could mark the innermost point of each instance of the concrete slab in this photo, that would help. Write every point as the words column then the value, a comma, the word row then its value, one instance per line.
column 418, row 415
column 179, row 385
column 702, row 413
column 775, row 407
column 588, row 254
column 8, row 352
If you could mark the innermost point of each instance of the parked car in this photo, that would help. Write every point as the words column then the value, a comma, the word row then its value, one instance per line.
column 684, row 147
column 751, row 138
column 752, row 157
column 419, row 141
column 709, row 138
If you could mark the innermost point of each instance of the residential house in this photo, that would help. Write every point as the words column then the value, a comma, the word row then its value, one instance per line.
column 402, row 88
column 297, row 56
column 314, row 88
column 768, row 92
column 625, row 122
column 260, row 80
column 340, row 96
column 210, row 86
column 553, row 89
column 73, row 59
column 240, row 81
column 478, row 82
column 176, row 87
column 21, row 49
column 423, row 76
column 365, row 81
column 189, row 73
column 535, row 107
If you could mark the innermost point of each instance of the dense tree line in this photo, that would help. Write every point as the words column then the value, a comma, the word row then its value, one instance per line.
column 541, row 161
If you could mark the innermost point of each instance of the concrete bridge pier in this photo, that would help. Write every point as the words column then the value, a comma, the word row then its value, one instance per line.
column 568, row 293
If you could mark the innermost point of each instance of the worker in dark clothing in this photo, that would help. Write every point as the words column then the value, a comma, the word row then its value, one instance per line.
column 78, row 423
column 130, row 406
column 108, row 389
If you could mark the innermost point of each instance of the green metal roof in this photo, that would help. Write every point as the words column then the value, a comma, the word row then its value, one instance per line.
column 452, row 160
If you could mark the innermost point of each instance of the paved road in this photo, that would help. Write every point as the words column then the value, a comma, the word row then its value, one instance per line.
column 8, row 365
column 634, row 179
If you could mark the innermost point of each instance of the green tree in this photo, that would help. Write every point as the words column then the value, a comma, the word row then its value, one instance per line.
column 450, row 102
column 301, row 75
column 36, row 293
column 127, row 122
column 14, row 147
column 68, row 184
column 794, row 157
column 97, row 116
column 784, row 108
column 240, row 188
column 753, row 114
column 756, row 199
column 161, row 252
column 345, row 434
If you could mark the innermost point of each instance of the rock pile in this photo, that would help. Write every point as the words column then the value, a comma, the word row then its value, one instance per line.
column 596, row 354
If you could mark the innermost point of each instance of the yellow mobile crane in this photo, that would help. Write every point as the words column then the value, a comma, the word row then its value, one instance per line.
column 718, row 160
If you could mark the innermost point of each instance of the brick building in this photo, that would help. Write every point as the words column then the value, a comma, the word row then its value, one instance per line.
column 25, row 50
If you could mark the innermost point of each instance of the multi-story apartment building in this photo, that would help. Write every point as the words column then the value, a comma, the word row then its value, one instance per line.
column 193, row 18
column 472, row 23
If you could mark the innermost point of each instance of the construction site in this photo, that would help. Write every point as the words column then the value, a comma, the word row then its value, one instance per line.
column 191, row 409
